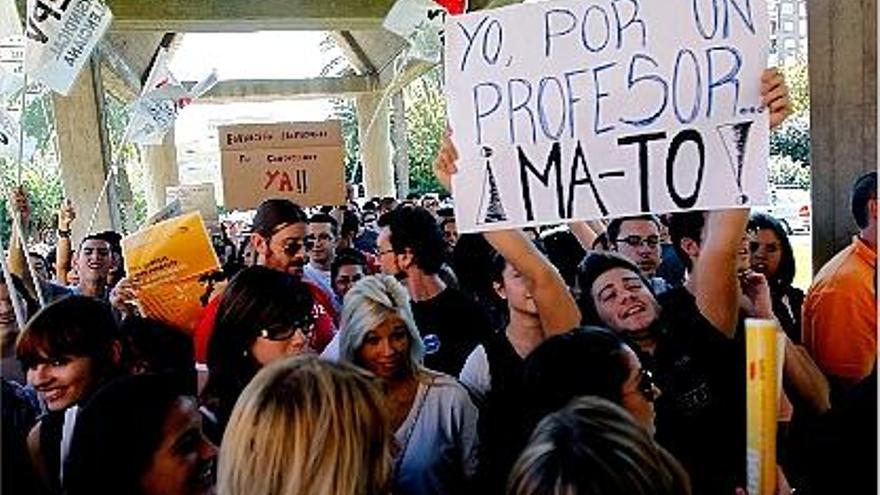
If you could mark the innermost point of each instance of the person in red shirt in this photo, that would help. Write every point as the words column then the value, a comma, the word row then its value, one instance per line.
column 279, row 229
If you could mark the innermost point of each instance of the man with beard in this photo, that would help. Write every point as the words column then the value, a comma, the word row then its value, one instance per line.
column 279, row 231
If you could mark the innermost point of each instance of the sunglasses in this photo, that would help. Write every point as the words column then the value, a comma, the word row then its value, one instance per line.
column 636, row 241
column 284, row 331
column 295, row 246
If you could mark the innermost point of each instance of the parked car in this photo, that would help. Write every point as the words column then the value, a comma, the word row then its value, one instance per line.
column 791, row 206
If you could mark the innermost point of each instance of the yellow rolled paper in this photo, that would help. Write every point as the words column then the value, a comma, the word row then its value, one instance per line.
column 762, row 403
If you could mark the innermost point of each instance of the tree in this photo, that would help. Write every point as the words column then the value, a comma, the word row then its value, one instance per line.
column 425, row 122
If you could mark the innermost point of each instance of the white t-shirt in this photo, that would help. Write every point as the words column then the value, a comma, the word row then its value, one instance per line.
column 475, row 374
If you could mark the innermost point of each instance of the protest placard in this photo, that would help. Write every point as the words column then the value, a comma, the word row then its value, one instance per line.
column 170, row 263
column 306, row 176
column 195, row 197
column 587, row 109
column 61, row 37
column 300, row 161
column 280, row 135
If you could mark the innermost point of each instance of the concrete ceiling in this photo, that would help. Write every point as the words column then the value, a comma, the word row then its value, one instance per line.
column 139, row 27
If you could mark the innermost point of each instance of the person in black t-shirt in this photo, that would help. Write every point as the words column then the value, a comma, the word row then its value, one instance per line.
column 539, row 305
column 687, row 338
column 412, row 249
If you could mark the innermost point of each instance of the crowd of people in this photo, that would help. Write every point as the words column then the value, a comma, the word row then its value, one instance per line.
column 370, row 349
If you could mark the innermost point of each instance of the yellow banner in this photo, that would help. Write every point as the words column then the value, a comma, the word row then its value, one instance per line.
column 169, row 264
column 762, row 403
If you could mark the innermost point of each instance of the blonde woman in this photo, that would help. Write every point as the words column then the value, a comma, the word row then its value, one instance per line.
column 434, row 420
column 307, row 427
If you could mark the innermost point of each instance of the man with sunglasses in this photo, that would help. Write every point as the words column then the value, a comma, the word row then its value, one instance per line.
column 637, row 238
column 280, row 238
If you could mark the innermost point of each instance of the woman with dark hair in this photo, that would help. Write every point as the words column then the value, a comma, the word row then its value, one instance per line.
column 588, row 361
column 69, row 349
column 140, row 435
column 263, row 315
column 593, row 447
column 771, row 254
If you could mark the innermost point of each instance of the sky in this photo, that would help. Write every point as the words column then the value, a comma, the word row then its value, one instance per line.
column 257, row 55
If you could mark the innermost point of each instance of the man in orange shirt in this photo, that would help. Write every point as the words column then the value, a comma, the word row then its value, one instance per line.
column 840, row 310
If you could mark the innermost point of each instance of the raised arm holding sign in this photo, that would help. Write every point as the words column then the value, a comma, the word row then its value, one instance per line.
column 572, row 110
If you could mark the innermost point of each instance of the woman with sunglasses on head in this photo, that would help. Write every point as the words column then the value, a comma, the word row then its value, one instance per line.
column 264, row 315
column 434, row 420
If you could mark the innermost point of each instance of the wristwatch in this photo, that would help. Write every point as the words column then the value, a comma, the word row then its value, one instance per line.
column 64, row 233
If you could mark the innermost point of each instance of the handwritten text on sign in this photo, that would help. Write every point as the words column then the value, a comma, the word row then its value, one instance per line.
column 585, row 109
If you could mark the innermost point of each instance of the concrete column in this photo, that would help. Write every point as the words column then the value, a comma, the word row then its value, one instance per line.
column 401, row 148
column 81, row 156
column 375, row 145
column 843, row 110
column 161, row 171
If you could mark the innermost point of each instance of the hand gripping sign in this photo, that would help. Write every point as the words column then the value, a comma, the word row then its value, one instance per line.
column 578, row 109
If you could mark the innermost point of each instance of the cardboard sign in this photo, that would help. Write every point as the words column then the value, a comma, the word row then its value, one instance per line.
column 301, row 161
column 169, row 264
column 281, row 135
column 306, row 176
column 764, row 359
column 580, row 110
column 195, row 197
column 60, row 38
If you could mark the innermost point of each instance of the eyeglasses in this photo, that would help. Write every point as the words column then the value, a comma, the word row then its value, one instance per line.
column 636, row 241
column 384, row 252
column 284, row 331
column 647, row 386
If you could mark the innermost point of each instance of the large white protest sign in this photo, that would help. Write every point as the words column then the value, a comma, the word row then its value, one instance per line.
column 61, row 35
column 586, row 109
column 154, row 112
column 10, row 135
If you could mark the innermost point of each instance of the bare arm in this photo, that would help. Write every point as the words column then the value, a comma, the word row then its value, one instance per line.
column 556, row 307
column 17, row 262
column 584, row 233
column 713, row 281
column 806, row 378
column 64, row 249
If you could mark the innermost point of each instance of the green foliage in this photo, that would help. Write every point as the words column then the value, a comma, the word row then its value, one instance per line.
column 40, row 177
column 792, row 139
column 345, row 110
column 425, row 121
column 798, row 79
column 784, row 171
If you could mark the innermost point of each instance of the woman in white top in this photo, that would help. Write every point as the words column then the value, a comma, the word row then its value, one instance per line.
column 434, row 420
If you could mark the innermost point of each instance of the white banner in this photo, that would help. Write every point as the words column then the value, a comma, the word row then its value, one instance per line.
column 154, row 112
column 420, row 23
column 61, row 35
column 587, row 109
column 9, row 138
column 11, row 65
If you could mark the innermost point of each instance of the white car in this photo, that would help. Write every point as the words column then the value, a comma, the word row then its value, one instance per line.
column 791, row 207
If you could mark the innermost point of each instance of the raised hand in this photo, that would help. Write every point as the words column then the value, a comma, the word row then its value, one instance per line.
column 444, row 164
column 774, row 96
